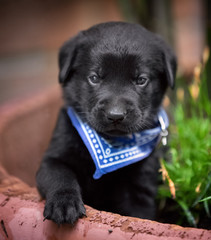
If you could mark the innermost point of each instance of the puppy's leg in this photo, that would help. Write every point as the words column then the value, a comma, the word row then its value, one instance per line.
column 55, row 179
column 59, row 186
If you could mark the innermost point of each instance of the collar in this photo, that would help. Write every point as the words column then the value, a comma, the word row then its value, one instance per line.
column 111, row 153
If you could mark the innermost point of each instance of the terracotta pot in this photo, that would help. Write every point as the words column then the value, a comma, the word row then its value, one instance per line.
column 25, row 130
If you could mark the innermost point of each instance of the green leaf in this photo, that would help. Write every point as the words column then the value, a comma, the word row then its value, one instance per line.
column 188, row 214
column 205, row 199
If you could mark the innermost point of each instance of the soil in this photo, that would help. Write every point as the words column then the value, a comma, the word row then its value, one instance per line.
column 172, row 214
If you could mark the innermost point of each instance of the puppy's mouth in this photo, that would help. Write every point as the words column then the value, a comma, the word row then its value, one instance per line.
column 120, row 128
column 115, row 133
column 115, row 130
column 111, row 129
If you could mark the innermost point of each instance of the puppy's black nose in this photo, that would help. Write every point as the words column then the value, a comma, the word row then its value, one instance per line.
column 115, row 115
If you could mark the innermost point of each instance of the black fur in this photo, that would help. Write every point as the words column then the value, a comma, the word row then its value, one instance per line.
column 114, row 75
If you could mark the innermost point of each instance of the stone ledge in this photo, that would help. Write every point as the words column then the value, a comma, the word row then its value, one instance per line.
column 21, row 217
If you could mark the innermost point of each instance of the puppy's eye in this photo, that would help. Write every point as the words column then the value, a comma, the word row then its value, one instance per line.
column 141, row 81
column 94, row 79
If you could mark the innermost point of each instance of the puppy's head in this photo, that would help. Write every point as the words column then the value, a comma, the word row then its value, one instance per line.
column 115, row 76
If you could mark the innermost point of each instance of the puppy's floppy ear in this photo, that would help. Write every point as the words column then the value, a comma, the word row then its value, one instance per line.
column 67, row 55
column 171, row 66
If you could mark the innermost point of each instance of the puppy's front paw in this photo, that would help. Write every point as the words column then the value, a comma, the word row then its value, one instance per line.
column 64, row 207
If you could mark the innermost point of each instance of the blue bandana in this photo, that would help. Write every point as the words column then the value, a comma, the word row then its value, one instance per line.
column 111, row 153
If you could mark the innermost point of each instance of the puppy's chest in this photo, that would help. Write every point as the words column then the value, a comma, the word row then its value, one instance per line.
column 106, row 189
column 111, row 183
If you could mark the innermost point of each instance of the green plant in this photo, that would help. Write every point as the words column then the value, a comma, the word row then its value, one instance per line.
column 188, row 172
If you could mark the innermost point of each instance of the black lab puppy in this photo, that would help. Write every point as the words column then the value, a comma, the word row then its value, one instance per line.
column 114, row 75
